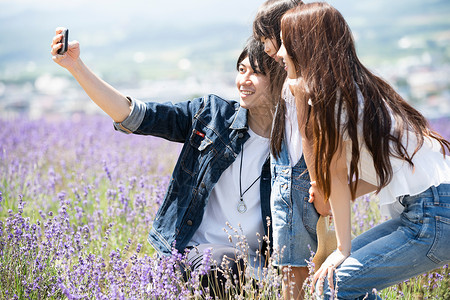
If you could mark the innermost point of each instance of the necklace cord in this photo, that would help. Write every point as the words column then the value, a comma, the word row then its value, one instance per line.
column 240, row 177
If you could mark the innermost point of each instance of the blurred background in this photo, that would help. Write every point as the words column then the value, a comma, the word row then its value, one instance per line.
column 176, row 50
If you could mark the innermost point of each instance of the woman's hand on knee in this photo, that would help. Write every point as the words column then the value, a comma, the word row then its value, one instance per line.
column 326, row 271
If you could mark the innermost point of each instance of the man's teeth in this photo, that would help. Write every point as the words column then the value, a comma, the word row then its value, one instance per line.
column 246, row 92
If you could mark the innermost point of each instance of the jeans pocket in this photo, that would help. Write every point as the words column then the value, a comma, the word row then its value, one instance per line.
column 439, row 251
column 310, row 217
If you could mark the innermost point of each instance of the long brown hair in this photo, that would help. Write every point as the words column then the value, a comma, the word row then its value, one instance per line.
column 267, row 24
column 320, row 43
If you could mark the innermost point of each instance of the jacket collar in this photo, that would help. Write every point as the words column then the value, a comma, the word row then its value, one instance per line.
column 240, row 119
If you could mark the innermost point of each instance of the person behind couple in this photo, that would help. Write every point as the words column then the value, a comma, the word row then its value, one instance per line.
column 294, row 218
column 361, row 129
column 222, row 174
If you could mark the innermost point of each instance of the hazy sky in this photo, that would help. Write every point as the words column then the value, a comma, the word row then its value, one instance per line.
column 27, row 26
column 177, row 11
column 38, row 18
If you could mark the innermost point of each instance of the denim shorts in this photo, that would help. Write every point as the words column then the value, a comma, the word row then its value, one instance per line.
column 416, row 242
column 294, row 219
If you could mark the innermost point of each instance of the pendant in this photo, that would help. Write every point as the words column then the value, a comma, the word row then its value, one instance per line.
column 241, row 207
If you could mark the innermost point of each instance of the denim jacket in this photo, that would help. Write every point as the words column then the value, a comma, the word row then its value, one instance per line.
column 212, row 130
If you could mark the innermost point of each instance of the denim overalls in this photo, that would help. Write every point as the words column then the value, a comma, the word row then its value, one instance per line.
column 294, row 218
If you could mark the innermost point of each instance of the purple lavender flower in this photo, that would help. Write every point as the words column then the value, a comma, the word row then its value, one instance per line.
column 76, row 196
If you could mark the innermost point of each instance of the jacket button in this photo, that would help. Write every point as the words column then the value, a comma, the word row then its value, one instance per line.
column 189, row 222
column 226, row 155
column 240, row 135
column 203, row 185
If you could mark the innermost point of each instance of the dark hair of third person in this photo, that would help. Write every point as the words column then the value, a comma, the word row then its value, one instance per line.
column 267, row 24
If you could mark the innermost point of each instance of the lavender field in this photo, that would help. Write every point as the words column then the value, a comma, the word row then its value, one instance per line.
column 77, row 200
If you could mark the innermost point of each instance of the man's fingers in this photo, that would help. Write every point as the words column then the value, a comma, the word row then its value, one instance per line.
column 58, row 30
column 55, row 49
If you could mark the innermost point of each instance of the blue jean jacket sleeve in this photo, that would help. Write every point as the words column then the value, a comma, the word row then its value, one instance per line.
column 166, row 120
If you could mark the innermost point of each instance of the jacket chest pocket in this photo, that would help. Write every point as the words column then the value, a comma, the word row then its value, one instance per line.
column 198, row 151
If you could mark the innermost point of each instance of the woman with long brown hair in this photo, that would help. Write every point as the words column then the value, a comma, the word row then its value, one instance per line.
column 364, row 137
column 294, row 219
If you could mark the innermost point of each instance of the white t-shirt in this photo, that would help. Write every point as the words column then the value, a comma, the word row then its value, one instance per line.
column 222, row 204
column 430, row 168
column 292, row 134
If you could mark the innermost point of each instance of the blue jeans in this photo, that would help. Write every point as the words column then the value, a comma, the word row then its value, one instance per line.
column 294, row 219
column 416, row 242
